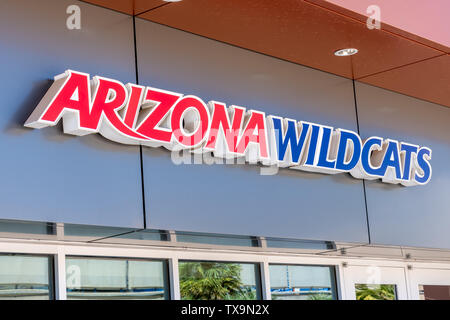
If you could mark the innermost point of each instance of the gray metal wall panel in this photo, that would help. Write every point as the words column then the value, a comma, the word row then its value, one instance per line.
column 414, row 216
column 236, row 199
column 46, row 175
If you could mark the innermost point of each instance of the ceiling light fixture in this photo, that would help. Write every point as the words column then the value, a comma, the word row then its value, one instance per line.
column 346, row 52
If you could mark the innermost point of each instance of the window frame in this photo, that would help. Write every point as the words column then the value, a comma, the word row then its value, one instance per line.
column 165, row 262
column 258, row 271
column 61, row 249
column 334, row 276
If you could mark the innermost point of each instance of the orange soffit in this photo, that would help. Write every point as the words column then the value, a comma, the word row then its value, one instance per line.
column 309, row 32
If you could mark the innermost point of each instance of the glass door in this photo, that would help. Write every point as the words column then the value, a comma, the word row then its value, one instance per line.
column 374, row 283
column 429, row 284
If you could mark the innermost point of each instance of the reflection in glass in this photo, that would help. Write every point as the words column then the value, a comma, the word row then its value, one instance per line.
column 25, row 277
column 294, row 282
column 97, row 278
column 375, row 291
column 209, row 280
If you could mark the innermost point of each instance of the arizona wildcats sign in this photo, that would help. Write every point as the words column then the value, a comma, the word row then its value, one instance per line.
column 133, row 114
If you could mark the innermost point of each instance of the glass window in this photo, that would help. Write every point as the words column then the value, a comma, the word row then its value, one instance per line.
column 155, row 235
column 218, row 239
column 375, row 291
column 105, row 234
column 27, row 227
column 209, row 280
column 108, row 278
column 80, row 230
column 296, row 282
column 299, row 244
column 25, row 277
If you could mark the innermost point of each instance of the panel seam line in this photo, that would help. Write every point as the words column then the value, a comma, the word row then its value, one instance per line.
column 141, row 160
column 363, row 180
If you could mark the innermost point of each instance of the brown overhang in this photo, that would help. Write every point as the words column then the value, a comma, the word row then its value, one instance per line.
column 308, row 32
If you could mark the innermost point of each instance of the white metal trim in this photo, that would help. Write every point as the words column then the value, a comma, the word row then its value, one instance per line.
column 265, row 280
column 60, row 274
column 61, row 249
column 174, row 279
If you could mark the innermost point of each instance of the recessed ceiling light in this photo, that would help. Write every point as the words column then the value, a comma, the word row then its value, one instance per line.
column 172, row 0
column 346, row 52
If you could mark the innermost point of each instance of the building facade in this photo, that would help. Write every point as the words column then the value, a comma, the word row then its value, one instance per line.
column 100, row 219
